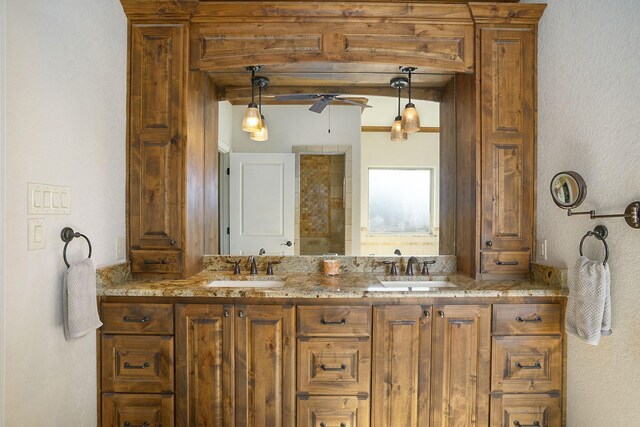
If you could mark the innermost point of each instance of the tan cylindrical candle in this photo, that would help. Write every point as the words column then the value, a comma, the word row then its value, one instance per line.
column 331, row 267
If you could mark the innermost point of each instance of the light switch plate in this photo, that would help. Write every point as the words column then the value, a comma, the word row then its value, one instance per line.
column 120, row 248
column 542, row 250
column 36, row 233
column 48, row 199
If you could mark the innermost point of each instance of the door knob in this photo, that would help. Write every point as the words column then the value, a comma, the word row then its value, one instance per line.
column 288, row 243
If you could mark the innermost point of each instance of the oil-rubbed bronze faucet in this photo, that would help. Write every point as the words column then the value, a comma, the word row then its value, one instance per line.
column 397, row 252
column 410, row 262
column 254, row 268
column 236, row 266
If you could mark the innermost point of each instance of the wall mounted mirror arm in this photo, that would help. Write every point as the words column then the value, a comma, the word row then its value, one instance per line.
column 568, row 190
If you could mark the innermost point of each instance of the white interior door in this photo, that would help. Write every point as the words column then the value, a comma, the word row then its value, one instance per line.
column 261, row 203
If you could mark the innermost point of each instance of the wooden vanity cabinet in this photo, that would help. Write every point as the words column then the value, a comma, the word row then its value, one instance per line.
column 235, row 365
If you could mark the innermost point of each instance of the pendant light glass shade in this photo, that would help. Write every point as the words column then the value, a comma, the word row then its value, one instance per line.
column 262, row 134
column 251, row 121
column 410, row 119
column 396, row 130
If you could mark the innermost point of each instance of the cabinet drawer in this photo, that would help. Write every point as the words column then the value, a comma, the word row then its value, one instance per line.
column 137, row 363
column 525, row 410
column 123, row 318
column 156, row 261
column 334, row 366
column 325, row 411
column 505, row 262
column 526, row 364
column 137, row 410
column 340, row 321
column 527, row 319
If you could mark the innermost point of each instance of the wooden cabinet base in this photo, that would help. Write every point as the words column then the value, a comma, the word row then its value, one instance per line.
column 133, row 410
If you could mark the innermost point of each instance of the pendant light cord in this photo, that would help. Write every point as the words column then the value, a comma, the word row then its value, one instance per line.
column 399, row 91
column 409, row 86
column 260, row 100
column 253, row 76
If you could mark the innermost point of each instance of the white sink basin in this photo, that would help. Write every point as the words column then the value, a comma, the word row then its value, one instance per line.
column 411, row 286
column 246, row 284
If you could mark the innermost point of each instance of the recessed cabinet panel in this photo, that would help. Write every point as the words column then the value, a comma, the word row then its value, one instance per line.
column 507, row 208
column 155, row 125
column 525, row 410
column 334, row 366
column 401, row 374
column 508, row 146
column 526, row 364
column 130, row 410
column 205, row 365
column 327, row 411
column 460, row 365
column 265, row 366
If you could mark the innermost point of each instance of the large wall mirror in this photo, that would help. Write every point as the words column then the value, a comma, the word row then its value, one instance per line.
column 329, row 182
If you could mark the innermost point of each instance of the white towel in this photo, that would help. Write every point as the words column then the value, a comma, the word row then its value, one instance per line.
column 589, row 301
column 79, row 301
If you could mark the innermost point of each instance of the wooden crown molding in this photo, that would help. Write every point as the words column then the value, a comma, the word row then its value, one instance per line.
column 506, row 13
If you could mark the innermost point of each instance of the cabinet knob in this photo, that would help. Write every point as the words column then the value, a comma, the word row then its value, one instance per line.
column 226, row 313
column 241, row 314
column 426, row 313
column 489, row 243
column 173, row 242
column 441, row 313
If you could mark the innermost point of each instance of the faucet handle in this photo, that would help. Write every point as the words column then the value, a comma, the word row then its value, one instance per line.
column 236, row 266
column 425, row 266
column 394, row 267
column 270, row 265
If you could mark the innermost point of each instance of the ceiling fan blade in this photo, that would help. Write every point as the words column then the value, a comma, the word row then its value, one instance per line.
column 297, row 97
column 359, row 104
column 319, row 106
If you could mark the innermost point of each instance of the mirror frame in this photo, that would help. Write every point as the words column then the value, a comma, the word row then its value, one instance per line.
column 582, row 190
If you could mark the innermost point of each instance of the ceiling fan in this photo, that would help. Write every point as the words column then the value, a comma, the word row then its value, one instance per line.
column 323, row 99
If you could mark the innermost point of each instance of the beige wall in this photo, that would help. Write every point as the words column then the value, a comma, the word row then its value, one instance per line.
column 589, row 121
column 65, row 111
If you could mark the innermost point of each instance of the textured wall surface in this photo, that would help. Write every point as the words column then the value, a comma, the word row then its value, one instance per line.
column 66, row 71
column 589, row 121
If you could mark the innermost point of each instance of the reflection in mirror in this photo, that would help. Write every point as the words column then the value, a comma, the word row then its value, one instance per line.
column 568, row 189
column 355, row 191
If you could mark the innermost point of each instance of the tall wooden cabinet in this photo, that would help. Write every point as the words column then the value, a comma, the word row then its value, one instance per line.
column 168, row 151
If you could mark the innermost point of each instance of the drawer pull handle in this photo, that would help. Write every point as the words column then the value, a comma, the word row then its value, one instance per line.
column 128, row 365
column 498, row 262
column 144, row 424
column 341, row 425
column 536, row 319
column 537, row 365
column 535, row 424
column 339, row 322
column 145, row 319
column 155, row 262
column 326, row 368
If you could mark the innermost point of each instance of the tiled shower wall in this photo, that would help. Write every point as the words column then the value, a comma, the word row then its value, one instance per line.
column 322, row 204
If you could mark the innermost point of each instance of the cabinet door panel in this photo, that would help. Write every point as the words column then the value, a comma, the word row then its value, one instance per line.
column 155, row 148
column 460, row 365
column 204, row 365
column 402, row 352
column 265, row 366
column 508, row 145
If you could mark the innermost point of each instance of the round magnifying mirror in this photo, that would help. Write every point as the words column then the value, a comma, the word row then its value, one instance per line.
column 568, row 189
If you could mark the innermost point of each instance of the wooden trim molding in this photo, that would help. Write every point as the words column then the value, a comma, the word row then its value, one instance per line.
column 506, row 13
column 388, row 129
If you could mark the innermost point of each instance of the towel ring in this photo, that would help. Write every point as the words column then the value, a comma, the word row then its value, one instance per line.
column 67, row 234
column 600, row 233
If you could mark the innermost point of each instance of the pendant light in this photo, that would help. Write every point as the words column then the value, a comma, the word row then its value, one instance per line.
column 410, row 118
column 397, row 135
column 263, row 133
column 252, row 121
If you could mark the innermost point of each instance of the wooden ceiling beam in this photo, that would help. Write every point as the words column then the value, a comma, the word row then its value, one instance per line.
column 241, row 95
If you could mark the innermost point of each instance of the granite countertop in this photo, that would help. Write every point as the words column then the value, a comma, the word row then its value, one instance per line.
column 317, row 285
